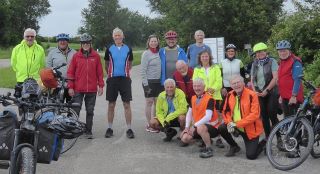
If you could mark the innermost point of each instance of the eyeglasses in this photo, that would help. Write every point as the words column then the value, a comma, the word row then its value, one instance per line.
column 29, row 36
column 230, row 51
column 85, row 43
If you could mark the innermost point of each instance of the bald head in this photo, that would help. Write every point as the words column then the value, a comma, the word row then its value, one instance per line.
column 182, row 67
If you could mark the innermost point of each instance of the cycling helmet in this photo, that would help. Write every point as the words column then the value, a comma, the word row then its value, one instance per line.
column 231, row 46
column 62, row 36
column 67, row 127
column 30, row 88
column 85, row 37
column 316, row 98
column 171, row 34
column 48, row 79
column 259, row 47
column 284, row 44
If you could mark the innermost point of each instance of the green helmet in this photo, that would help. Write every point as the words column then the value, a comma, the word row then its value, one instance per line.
column 259, row 47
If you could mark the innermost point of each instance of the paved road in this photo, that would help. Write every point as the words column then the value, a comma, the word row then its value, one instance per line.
column 147, row 153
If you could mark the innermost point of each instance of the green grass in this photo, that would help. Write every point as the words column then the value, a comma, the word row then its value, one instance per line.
column 8, row 77
column 5, row 53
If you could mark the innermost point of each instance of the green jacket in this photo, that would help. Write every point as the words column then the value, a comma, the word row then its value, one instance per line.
column 179, row 102
column 27, row 61
column 212, row 80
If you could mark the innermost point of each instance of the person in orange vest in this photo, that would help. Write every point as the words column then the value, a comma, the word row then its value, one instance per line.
column 202, row 119
column 241, row 115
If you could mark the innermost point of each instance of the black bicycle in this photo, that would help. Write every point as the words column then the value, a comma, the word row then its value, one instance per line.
column 292, row 139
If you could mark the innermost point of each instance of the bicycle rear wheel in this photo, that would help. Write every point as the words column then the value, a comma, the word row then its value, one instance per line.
column 279, row 150
column 26, row 163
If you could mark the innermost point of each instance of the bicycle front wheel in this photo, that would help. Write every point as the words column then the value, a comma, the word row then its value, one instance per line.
column 26, row 163
column 286, row 153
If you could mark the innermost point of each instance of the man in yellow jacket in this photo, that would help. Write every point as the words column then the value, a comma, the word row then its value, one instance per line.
column 27, row 58
column 171, row 109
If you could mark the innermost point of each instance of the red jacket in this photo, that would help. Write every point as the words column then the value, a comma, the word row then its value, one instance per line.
column 185, row 83
column 286, row 81
column 86, row 72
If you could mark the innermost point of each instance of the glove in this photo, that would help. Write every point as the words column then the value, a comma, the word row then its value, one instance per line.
column 147, row 89
column 231, row 127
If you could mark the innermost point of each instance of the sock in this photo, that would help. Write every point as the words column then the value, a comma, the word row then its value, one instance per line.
column 129, row 126
column 110, row 125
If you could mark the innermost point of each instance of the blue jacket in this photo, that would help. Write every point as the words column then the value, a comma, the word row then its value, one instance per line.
column 162, row 52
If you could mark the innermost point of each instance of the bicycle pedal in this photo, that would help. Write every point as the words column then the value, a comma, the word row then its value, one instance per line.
column 4, row 164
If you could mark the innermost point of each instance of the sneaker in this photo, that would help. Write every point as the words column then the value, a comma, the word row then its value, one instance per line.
column 170, row 133
column 219, row 143
column 207, row 153
column 89, row 135
column 130, row 133
column 232, row 151
column 150, row 129
column 109, row 133
column 261, row 146
column 182, row 144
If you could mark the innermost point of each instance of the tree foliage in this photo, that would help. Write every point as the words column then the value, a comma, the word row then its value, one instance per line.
column 239, row 22
column 17, row 15
column 302, row 29
column 101, row 17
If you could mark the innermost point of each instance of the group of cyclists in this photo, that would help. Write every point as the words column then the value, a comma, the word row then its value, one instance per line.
column 182, row 89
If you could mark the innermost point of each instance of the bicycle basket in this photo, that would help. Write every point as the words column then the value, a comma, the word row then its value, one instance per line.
column 48, row 79
column 66, row 127
column 31, row 87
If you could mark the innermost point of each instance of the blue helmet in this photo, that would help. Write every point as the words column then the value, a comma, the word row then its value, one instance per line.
column 283, row 44
column 63, row 36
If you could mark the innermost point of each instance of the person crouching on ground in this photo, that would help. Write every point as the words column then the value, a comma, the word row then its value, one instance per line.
column 205, row 119
column 241, row 114
column 171, row 109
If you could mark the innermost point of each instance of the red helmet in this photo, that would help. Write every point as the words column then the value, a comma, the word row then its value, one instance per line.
column 171, row 34
column 47, row 78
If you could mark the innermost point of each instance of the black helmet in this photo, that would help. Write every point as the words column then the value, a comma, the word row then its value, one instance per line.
column 31, row 88
column 231, row 46
column 67, row 127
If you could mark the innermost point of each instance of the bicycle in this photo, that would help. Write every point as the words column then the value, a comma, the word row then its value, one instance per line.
column 26, row 150
column 295, row 135
column 56, row 95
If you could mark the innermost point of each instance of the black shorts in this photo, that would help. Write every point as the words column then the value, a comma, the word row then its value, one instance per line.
column 212, row 131
column 156, row 88
column 120, row 85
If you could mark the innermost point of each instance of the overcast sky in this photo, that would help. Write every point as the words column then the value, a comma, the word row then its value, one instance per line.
column 65, row 16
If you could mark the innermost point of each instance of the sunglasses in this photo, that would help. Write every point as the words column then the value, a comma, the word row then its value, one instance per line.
column 29, row 36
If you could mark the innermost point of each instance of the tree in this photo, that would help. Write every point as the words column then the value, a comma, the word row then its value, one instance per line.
column 101, row 17
column 19, row 15
column 239, row 22
column 302, row 29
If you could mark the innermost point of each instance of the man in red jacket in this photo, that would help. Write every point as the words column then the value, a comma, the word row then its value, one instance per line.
column 183, row 77
column 86, row 74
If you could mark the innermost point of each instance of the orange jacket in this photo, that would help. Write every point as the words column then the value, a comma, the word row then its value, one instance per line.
column 199, row 110
column 250, row 112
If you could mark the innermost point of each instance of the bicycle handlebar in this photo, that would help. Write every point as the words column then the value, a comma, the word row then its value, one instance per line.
column 307, row 83
column 58, row 67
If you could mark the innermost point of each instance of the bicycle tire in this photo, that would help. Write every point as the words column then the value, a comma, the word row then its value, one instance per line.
column 26, row 163
column 67, row 143
column 299, row 143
